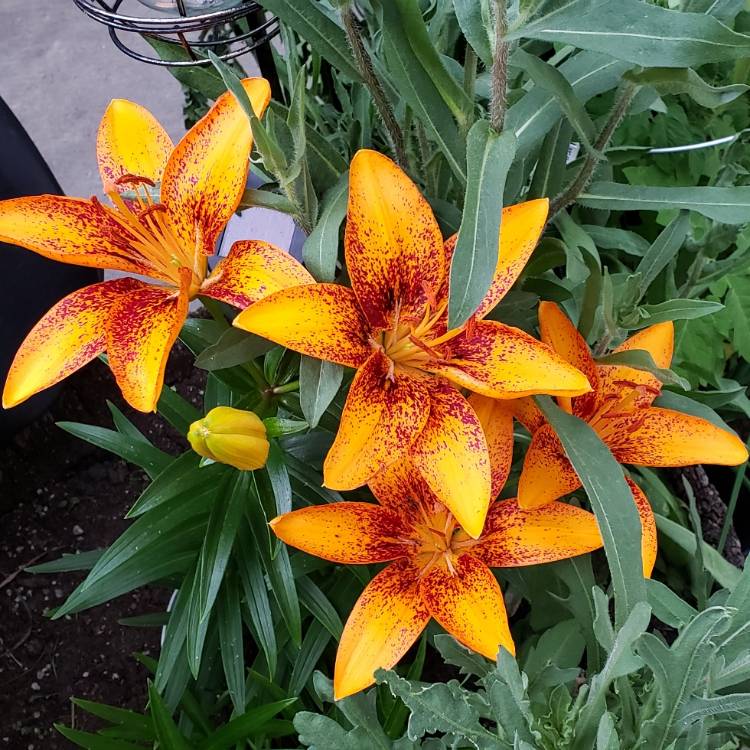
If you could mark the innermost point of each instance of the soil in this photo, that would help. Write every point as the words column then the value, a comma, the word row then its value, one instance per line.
column 62, row 495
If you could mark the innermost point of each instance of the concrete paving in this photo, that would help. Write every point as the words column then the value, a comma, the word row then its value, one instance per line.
column 59, row 72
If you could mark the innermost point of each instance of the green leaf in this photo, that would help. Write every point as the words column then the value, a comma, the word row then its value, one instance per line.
column 667, row 606
column 489, row 156
column 176, row 410
column 640, row 359
column 278, row 426
column 475, row 19
column 638, row 32
column 319, row 382
column 234, row 347
column 313, row 644
column 118, row 717
column 69, row 562
column 737, row 301
column 323, row 34
column 229, row 616
column 244, row 727
column 675, row 309
column 551, row 79
column 611, row 501
column 730, row 205
column 167, row 733
column 94, row 741
column 253, row 197
column 136, row 451
column 662, row 251
column 321, row 249
column 687, row 81
column 283, row 587
column 614, row 238
column 419, row 91
column 316, row 602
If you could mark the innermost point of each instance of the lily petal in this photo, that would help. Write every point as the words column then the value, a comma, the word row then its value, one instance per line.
column 648, row 528
column 350, row 533
column 559, row 332
column 547, row 473
column 451, row 455
column 527, row 413
column 658, row 341
column 394, row 249
column 70, row 230
column 496, row 419
column 401, row 488
column 514, row 536
column 504, row 362
column 386, row 620
column 521, row 227
column 64, row 340
column 206, row 173
column 140, row 333
column 663, row 437
column 320, row 320
column 380, row 421
column 253, row 270
column 468, row 603
column 130, row 141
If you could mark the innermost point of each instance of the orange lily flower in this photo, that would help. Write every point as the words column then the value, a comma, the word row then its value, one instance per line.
column 136, row 323
column 619, row 409
column 436, row 569
column 392, row 327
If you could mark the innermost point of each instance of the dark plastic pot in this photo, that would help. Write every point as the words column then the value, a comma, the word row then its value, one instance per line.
column 29, row 284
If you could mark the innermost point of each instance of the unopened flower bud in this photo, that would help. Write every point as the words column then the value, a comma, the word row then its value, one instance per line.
column 231, row 436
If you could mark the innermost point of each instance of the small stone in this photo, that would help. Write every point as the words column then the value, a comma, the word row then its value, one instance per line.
column 35, row 686
column 77, row 530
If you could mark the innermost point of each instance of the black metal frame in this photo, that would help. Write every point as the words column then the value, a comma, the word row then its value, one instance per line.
column 175, row 29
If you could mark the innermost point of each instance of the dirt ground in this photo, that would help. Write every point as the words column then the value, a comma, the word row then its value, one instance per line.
column 57, row 495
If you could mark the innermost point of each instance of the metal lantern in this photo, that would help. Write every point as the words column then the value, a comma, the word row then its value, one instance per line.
column 229, row 28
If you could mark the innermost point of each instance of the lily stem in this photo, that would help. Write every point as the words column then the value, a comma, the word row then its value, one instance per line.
column 590, row 163
column 367, row 71
column 286, row 388
column 498, row 99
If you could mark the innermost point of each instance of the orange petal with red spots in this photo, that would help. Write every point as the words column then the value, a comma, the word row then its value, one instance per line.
column 253, row 270
column 527, row 413
column 504, row 362
column 467, row 601
column 496, row 419
column 349, row 533
column 64, row 340
column 558, row 332
column 663, row 437
column 320, row 320
column 452, row 457
column 70, row 230
column 547, row 474
column 379, row 423
column 130, row 141
column 140, row 333
column 394, row 249
column 514, row 536
column 658, row 341
column 206, row 173
column 386, row 620
column 401, row 488
column 648, row 528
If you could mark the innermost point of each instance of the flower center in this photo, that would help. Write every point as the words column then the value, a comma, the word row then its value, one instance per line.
column 149, row 233
column 618, row 406
column 435, row 540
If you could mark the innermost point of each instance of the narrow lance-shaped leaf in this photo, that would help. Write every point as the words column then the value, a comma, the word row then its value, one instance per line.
column 640, row 359
column 474, row 19
column 321, row 249
column 661, row 252
column 639, row 32
column 489, row 156
column 611, row 500
column 319, row 382
column 687, row 81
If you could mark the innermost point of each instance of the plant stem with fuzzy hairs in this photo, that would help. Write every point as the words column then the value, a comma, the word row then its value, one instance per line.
column 367, row 71
column 498, row 99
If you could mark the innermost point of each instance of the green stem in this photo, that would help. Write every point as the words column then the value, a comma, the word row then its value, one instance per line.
column 739, row 478
column 582, row 179
column 286, row 388
column 367, row 71
column 498, row 99
column 256, row 372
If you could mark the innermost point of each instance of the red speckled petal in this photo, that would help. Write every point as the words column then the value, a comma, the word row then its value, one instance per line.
column 547, row 474
column 558, row 332
column 64, row 340
column 514, row 536
column 617, row 381
column 206, row 174
column 140, row 333
column 253, row 270
column 468, row 603
column 527, row 413
column 349, row 533
column 379, row 423
column 663, row 437
column 648, row 529
column 504, row 362
column 130, row 141
column 386, row 620
column 320, row 320
column 401, row 488
column 394, row 249
column 451, row 455
column 496, row 419
column 70, row 230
